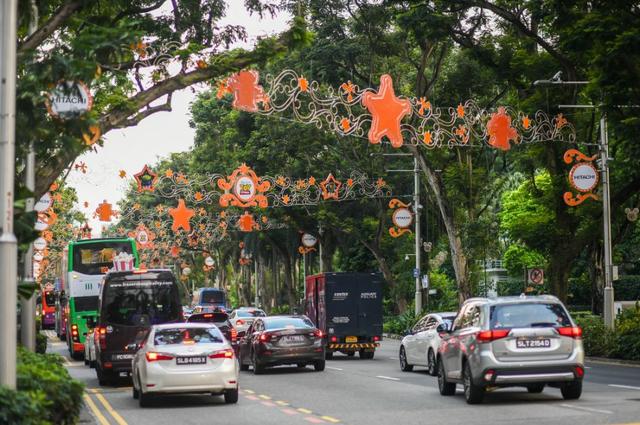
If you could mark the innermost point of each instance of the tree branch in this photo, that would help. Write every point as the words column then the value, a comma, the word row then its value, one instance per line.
column 58, row 18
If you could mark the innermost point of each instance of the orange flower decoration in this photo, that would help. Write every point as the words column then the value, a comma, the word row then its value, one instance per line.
column 198, row 196
column 280, row 181
column 427, row 138
column 286, row 199
column 312, row 181
column 526, row 122
column 303, row 84
column 348, row 89
column 561, row 121
column 345, row 124
column 460, row 110
column 461, row 132
column 169, row 173
column 424, row 105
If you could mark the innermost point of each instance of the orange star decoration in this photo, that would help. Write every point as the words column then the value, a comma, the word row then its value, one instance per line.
column 348, row 89
column 330, row 188
column 246, row 90
column 380, row 183
column 427, row 138
column 460, row 110
column 122, row 174
column 561, row 121
column 500, row 130
column 526, row 123
column 286, row 199
column 181, row 216
column 93, row 136
column 81, row 166
column 424, row 105
column 461, row 132
column 169, row 173
column 174, row 251
column 246, row 223
column 303, row 83
column 312, row 181
column 387, row 111
column 105, row 211
column 198, row 196
column 345, row 124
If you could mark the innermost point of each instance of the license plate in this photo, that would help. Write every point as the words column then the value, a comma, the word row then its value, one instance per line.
column 533, row 343
column 122, row 356
column 123, row 374
column 351, row 339
column 191, row 360
column 293, row 339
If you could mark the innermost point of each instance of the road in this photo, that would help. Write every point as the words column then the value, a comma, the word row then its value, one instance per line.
column 354, row 391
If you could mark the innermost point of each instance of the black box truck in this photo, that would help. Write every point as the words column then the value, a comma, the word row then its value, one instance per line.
column 347, row 307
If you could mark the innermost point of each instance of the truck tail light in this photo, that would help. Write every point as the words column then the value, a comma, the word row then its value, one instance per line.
column 265, row 337
column 101, row 337
column 222, row 354
column 334, row 338
column 488, row 336
column 571, row 331
column 376, row 338
column 153, row 356
column 74, row 333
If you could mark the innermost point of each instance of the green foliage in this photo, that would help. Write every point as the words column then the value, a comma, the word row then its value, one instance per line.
column 446, row 298
column 628, row 334
column 517, row 257
column 400, row 324
column 20, row 408
column 41, row 343
column 622, row 343
column 280, row 309
column 56, row 396
column 597, row 340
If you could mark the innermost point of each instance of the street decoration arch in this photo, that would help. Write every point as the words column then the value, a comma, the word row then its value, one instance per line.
column 367, row 113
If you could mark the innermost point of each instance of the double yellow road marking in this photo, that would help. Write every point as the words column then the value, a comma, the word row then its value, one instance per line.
column 107, row 406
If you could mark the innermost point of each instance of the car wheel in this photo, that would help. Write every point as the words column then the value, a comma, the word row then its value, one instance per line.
column 135, row 392
column 244, row 367
column 319, row 365
column 535, row 388
column 445, row 388
column 472, row 393
column 571, row 390
column 144, row 399
column 86, row 362
column 258, row 369
column 103, row 378
column 404, row 366
column 431, row 363
column 231, row 396
column 328, row 355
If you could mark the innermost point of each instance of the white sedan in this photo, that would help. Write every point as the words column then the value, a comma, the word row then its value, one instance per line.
column 185, row 358
column 241, row 318
column 420, row 345
column 89, row 350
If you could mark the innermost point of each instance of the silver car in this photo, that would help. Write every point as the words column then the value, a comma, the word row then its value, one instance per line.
column 511, row 341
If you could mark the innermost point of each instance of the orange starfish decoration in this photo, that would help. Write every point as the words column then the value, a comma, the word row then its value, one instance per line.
column 345, row 124
column 246, row 90
column 181, row 216
column 387, row 111
column 500, row 130
column 427, row 138
column 104, row 211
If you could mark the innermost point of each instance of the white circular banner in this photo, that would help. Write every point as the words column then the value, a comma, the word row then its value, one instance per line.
column 69, row 99
column 44, row 203
column 244, row 189
column 41, row 225
column 402, row 218
column 39, row 244
column 308, row 240
column 208, row 262
column 142, row 237
column 38, row 256
column 583, row 177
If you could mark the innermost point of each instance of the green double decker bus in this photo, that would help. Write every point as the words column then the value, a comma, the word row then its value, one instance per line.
column 84, row 263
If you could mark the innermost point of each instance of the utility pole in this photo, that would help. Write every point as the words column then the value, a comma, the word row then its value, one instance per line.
column 28, row 306
column 609, row 315
column 256, row 301
column 8, row 242
column 417, row 206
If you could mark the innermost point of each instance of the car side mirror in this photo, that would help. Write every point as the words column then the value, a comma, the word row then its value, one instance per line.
column 442, row 328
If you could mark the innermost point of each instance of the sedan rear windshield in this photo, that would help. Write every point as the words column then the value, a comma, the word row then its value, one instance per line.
column 528, row 315
column 288, row 322
column 187, row 336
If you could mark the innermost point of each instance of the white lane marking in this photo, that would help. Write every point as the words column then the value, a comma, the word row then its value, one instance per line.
column 627, row 387
column 388, row 377
column 587, row 409
column 334, row 368
column 393, row 358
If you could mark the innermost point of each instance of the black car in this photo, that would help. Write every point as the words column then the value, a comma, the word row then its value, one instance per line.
column 221, row 320
column 281, row 340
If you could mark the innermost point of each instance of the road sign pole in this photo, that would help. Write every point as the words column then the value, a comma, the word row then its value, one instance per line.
column 8, row 242
column 416, row 203
column 609, row 317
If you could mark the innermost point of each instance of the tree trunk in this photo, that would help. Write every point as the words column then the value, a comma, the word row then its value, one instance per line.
column 401, row 302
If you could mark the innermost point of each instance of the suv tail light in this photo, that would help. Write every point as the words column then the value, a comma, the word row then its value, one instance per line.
column 265, row 337
column 222, row 354
column 488, row 336
column 152, row 356
column 571, row 331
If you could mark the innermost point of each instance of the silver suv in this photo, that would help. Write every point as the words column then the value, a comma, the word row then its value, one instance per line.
column 511, row 341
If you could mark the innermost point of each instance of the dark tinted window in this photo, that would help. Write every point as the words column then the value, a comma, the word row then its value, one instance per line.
column 86, row 303
column 250, row 313
column 287, row 322
column 49, row 299
column 212, row 297
column 187, row 336
column 528, row 315
column 92, row 258
column 145, row 302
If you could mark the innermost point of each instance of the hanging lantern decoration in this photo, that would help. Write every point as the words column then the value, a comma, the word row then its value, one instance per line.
column 402, row 218
column 583, row 177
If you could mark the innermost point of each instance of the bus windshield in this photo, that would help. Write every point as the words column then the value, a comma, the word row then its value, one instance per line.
column 93, row 258
column 140, row 302
column 49, row 299
column 212, row 297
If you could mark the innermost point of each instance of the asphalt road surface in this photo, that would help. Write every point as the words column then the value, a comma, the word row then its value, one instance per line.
column 354, row 391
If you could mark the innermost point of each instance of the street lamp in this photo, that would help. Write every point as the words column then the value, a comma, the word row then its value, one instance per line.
column 606, row 198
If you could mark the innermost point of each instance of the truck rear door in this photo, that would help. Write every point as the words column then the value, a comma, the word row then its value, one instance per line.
column 341, row 306
column 369, row 301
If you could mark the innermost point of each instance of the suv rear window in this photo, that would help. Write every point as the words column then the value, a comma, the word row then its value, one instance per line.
column 528, row 315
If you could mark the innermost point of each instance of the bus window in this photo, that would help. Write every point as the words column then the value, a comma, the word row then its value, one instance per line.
column 49, row 299
column 92, row 258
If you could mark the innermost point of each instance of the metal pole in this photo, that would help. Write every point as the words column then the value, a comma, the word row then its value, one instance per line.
column 28, row 306
column 609, row 315
column 8, row 242
column 256, row 301
column 416, row 203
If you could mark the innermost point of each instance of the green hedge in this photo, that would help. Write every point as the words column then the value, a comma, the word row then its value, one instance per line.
column 622, row 343
column 46, row 393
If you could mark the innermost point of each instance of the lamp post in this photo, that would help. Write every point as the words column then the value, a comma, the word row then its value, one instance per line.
column 609, row 316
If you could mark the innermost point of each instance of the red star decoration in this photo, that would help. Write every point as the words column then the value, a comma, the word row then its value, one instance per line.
column 387, row 111
column 330, row 188
column 181, row 216
column 500, row 130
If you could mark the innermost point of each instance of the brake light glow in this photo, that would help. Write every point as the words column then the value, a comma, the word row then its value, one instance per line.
column 100, row 337
column 265, row 337
column 222, row 354
column 208, row 316
column 571, row 331
column 376, row 338
column 234, row 334
column 334, row 338
column 152, row 356
column 318, row 333
column 239, row 322
column 488, row 336
column 579, row 371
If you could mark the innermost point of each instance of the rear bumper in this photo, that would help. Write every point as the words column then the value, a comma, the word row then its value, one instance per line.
column 523, row 376
column 160, row 380
column 353, row 346
column 78, row 347
column 290, row 356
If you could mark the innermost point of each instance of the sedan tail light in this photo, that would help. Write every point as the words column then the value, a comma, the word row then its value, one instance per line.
column 318, row 333
column 488, row 336
column 571, row 331
column 222, row 354
column 239, row 322
column 265, row 337
column 152, row 356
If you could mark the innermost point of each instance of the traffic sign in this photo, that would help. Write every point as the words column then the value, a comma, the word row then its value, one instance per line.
column 535, row 276
column 416, row 272
column 43, row 203
column 425, row 281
